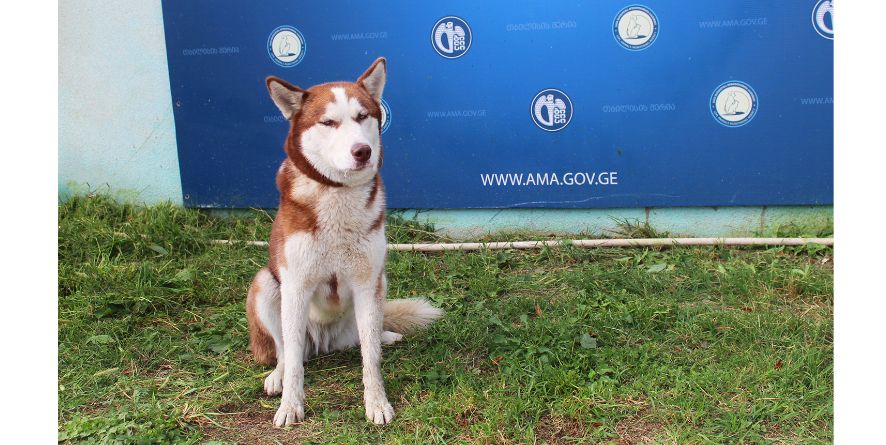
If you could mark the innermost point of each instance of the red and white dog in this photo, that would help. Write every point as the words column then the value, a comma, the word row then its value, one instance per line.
column 324, row 287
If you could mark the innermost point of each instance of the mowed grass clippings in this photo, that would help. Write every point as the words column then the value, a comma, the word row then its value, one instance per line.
column 681, row 345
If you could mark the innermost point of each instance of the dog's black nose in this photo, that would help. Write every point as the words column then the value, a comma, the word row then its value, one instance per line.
column 361, row 152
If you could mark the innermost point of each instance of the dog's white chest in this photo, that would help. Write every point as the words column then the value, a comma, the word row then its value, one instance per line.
column 342, row 243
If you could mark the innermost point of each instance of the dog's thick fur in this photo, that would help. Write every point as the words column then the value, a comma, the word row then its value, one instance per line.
column 324, row 287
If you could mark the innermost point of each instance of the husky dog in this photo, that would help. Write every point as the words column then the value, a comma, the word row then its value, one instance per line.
column 324, row 286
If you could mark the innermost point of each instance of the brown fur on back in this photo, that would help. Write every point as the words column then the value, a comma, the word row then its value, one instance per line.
column 292, row 216
column 260, row 341
column 376, row 186
column 379, row 221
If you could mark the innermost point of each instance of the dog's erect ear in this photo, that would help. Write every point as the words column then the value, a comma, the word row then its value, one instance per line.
column 373, row 80
column 286, row 96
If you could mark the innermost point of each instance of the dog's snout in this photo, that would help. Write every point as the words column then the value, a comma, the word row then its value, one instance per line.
column 361, row 152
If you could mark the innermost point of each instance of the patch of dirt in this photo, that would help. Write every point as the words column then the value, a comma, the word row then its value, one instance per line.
column 636, row 430
column 561, row 430
column 253, row 425
column 825, row 262
column 775, row 436
column 773, row 432
column 468, row 416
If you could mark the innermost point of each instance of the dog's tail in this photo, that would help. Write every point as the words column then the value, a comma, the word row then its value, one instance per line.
column 410, row 314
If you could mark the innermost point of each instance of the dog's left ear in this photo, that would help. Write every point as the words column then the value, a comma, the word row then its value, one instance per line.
column 286, row 96
column 373, row 80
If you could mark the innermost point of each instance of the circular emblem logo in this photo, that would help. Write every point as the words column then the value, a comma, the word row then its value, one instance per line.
column 385, row 116
column 451, row 37
column 823, row 18
column 551, row 110
column 734, row 104
column 286, row 46
column 635, row 27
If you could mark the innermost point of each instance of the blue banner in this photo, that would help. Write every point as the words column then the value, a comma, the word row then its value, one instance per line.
column 500, row 104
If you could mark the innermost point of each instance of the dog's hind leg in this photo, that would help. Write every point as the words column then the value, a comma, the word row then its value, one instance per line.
column 265, row 328
column 347, row 337
column 389, row 337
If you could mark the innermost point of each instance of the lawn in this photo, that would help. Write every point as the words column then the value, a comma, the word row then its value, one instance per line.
column 564, row 345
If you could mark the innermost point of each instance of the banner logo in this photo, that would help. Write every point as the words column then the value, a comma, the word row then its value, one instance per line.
column 635, row 27
column 451, row 37
column 385, row 116
column 551, row 110
column 734, row 104
column 286, row 46
column 823, row 18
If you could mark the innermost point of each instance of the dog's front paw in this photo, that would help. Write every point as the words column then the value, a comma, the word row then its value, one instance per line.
column 379, row 411
column 289, row 413
column 274, row 382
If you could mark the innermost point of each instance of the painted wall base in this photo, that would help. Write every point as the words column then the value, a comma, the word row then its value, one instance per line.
column 678, row 221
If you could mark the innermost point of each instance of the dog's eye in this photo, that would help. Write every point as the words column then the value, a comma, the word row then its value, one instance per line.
column 362, row 115
column 328, row 122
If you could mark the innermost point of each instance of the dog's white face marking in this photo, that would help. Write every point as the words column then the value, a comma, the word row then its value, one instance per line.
column 329, row 143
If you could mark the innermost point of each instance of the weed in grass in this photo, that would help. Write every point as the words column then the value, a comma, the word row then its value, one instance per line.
column 627, row 228
column 562, row 345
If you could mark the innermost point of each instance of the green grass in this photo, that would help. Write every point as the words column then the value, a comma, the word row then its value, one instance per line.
column 682, row 345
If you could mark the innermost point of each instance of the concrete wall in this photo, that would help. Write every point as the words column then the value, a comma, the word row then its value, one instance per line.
column 116, row 132
column 117, row 135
